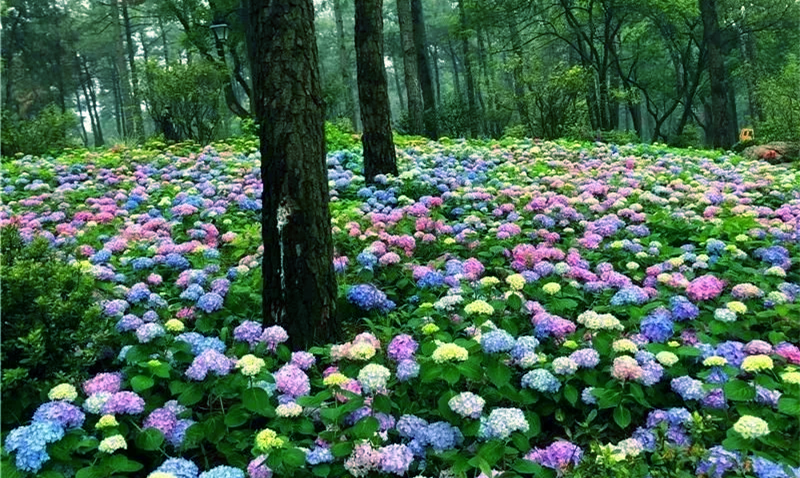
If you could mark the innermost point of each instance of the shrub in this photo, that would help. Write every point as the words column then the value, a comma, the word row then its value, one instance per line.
column 48, row 131
column 338, row 138
column 780, row 99
column 52, row 330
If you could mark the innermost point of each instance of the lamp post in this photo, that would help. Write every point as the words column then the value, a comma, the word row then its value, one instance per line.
column 220, row 30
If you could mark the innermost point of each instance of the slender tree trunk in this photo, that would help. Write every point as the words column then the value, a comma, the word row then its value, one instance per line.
column 350, row 97
column 84, row 136
column 437, row 75
column 734, row 115
column 164, row 45
column 520, row 93
column 720, row 124
column 748, row 47
column 8, row 60
column 472, row 110
column 299, row 285
column 456, row 76
column 145, row 52
column 373, row 91
column 416, row 118
column 138, row 121
column 91, row 100
column 122, row 68
column 396, row 74
column 424, row 70
column 613, row 104
column 117, row 99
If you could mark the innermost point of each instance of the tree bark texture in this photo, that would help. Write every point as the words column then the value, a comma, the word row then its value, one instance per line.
column 720, row 124
column 299, row 285
column 122, row 69
column 416, row 117
column 424, row 70
column 373, row 91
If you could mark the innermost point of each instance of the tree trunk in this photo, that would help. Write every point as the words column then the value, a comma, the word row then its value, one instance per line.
column 437, row 76
column 748, row 48
column 401, row 98
column 520, row 94
column 416, row 118
column 456, row 77
column 347, row 80
column 84, row 136
column 424, row 70
column 118, row 106
column 91, row 100
column 373, row 91
column 164, row 45
column 299, row 285
column 138, row 121
column 472, row 110
column 720, row 121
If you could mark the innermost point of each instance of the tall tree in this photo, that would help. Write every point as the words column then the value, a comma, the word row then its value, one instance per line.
column 416, row 117
column 424, row 70
column 299, row 285
column 344, row 66
column 136, row 106
column 720, row 122
column 472, row 111
column 373, row 91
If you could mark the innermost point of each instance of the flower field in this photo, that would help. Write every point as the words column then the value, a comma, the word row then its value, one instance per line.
column 535, row 309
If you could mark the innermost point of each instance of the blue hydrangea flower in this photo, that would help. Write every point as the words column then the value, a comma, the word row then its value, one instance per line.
column 657, row 326
column 179, row 467
column 541, row 380
column 497, row 341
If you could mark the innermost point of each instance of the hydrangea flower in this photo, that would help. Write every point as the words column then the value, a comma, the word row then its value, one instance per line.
column 467, row 404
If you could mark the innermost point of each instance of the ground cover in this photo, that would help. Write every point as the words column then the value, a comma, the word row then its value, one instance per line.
column 524, row 308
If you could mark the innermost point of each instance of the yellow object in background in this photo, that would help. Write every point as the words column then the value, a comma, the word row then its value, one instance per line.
column 746, row 134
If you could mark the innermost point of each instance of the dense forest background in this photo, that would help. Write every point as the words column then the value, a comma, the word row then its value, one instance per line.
column 684, row 72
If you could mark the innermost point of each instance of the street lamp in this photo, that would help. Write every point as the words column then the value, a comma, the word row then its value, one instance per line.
column 220, row 31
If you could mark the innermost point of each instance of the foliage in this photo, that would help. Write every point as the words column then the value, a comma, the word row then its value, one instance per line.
column 555, row 98
column 339, row 138
column 780, row 99
column 184, row 100
column 52, row 329
column 48, row 131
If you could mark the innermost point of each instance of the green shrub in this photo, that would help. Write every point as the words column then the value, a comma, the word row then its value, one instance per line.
column 780, row 99
column 52, row 326
column 338, row 138
column 47, row 131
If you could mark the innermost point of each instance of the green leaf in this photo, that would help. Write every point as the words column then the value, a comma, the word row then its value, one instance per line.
column 88, row 472
column 321, row 470
column 191, row 395
column 520, row 441
column 150, row 439
column 366, row 427
column 789, row 406
column 514, row 302
column 141, row 383
column 430, row 372
column 492, row 451
column 341, row 450
column 236, row 416
column 450, row 374
column 255, row 400
column 121, row 464
column 571, row 394
column 294, row 458
column 526, row 467
column 622, row 416
column 534, row 425
column 382, row 403
column 739, row 391
column 499, row 373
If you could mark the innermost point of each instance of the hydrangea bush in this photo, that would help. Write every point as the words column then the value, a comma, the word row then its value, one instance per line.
column 544, row 309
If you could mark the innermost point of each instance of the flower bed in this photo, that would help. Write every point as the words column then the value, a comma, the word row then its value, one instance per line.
column 537, row 309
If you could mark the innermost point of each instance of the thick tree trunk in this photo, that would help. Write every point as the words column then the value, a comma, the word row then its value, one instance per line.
column 416, row 118
column 299, row 285
column 720, row 124
column 472, row 110
column 424, row 70
column 373, row 91
column 350, row 97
